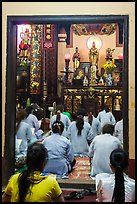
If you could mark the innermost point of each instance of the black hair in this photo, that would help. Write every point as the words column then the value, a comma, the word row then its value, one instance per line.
column 58, row 127
column 119, row 161
column 79, row 123
column 37, row 156
column 59, row 110
column 81, row 111
column 74, row 116
column 58, row 117
column 29, row 109
column 60, row 107
column 108, row 128
column 90, row 118
column 106, row 108
column 20, row 115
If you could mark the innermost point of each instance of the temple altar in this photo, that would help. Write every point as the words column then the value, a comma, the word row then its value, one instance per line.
column 74, row 97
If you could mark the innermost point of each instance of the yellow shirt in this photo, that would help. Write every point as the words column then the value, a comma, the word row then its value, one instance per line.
column 43, row 188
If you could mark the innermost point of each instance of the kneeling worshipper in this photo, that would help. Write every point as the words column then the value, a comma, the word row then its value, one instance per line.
column 60, row 155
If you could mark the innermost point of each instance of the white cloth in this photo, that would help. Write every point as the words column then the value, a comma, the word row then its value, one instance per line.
column 80, row 142
column 106, row 118
column 24, row 133
column 99, row 151
column 17, row 145
column 118, row 131
column 96, row 126
column 33, row 121
column 105, row 187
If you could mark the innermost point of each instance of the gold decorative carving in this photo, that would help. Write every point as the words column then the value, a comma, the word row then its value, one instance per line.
column 35, row 66
column 94, row 29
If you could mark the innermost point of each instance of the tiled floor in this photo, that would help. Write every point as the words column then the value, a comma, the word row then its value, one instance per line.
column 81, row 170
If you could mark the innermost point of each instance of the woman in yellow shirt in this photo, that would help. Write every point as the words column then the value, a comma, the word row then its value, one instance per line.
column 31, row 185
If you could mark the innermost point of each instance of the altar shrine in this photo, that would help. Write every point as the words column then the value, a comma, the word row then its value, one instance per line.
column 74, row 78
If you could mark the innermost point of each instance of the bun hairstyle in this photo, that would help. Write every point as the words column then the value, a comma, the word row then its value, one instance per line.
column 58, row 127
column 119, row 161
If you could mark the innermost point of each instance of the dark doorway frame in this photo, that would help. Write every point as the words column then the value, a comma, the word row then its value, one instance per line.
column 10, row 106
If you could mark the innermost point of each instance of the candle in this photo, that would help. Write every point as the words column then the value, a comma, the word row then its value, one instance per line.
column 120, row 56
column 67, row 56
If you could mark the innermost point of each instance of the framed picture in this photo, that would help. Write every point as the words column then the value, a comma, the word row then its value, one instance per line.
column 86, row 67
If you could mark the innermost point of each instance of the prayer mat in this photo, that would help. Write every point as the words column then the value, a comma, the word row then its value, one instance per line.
column 81, row 170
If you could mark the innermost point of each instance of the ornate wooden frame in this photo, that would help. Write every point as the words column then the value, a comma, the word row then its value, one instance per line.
column 10, row 108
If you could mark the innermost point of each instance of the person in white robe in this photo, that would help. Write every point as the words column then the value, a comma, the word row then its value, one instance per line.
column 59, row 116
column 100, row 149
column 106, row 117
column 118, row 132
column 117, row 187
column 94, row 122
column 80, row 134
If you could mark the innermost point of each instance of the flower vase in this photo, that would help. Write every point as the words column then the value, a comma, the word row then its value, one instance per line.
column 109, row 80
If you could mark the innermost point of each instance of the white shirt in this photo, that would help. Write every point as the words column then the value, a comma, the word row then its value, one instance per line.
column 99, row 151
column 96, row 126
column 33, row 121
column 80, row 142
column 119, row 130
column 105, row 188
column 106, row 118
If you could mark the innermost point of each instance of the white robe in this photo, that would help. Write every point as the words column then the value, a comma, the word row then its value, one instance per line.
column 119, row 130
column 105, row 187
column 99, row 151
column 96, row 126
column 106, row 118
column 80, row 142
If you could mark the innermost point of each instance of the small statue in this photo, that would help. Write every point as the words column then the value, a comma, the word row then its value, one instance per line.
column 109, row 52
column 24, row 45
column 93, row 55
column 76, row 58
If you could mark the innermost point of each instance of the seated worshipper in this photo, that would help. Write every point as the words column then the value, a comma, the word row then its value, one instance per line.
column 34, row 122
column 80, row 135
column 94, row 123
column 106, row 117
column 37, row 111
column 30, row 185
column 100, row 148
column 118, row 131
column 60, row 156
column 59, row 116
column 116, row 187
column 32, row 119
column 23, row 135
